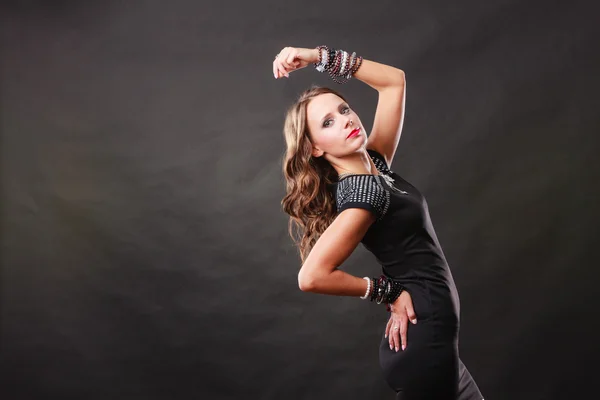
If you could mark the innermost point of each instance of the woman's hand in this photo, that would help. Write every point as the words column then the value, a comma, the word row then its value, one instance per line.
column 401, row 311
column 293, row 58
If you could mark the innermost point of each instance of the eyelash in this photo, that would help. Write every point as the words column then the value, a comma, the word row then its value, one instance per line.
column 324, row 123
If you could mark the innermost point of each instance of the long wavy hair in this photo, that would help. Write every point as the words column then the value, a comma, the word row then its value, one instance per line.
column 309, row 200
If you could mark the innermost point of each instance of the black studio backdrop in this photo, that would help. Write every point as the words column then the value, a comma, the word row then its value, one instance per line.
column 144, row 251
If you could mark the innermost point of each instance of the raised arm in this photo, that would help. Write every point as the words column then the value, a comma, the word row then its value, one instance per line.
column 389, row 117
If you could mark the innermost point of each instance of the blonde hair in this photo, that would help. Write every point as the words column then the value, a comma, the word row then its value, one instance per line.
column 309, row 201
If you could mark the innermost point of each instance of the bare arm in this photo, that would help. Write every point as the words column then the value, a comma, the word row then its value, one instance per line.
column 319, row 273
column 389, row 117
column 380, row 76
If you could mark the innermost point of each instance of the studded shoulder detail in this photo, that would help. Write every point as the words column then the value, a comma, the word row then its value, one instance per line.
column 363, row 191
column 379, row 162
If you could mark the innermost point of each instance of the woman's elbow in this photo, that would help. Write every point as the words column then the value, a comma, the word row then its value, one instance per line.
column 306, row 283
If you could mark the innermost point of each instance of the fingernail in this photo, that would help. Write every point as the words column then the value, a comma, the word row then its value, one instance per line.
column 386, row 335
column 414, row 321
column 403, row 347
column 391, row 347
column 396, row 349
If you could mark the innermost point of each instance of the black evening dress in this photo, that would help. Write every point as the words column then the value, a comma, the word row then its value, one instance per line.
column 404, row 242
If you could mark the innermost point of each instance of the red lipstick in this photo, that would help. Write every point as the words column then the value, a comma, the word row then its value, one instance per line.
column 353, row 133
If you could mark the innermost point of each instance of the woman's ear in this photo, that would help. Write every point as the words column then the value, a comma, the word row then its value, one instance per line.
column 316, row 152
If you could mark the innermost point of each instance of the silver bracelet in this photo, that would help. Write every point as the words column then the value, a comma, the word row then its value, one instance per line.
column 368, row 287
column 351, row 65
column 344, row 63
column 324, row 60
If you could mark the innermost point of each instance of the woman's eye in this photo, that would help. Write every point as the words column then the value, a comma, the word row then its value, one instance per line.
column 325, row 124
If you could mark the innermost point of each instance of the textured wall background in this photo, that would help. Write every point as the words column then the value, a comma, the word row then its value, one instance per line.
column 144, row 251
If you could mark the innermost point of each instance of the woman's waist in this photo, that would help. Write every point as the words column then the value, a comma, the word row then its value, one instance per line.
column 410, row 258
column 433, row 299
column 436, row 280
column 432, row 270
column 430, row 280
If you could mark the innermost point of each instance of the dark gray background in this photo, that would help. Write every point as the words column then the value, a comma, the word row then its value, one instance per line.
column 144, row 250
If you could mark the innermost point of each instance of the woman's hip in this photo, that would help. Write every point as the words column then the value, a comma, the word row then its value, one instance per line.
column 430, row 357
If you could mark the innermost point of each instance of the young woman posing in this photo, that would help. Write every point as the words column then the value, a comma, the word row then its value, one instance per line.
column 341, row 192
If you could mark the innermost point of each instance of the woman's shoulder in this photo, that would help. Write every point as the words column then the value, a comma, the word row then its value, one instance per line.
column 364, row 191
column 360, row 182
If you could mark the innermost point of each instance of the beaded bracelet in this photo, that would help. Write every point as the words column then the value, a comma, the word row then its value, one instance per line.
column 368, row 288
column 334, row 73
column 383, row 290
column 395, row 292
column 375, row 289
column 344, row 64
column 351, row 64
column 337, row 60
column 323, row 58
column 326, row 58
column 337, row 63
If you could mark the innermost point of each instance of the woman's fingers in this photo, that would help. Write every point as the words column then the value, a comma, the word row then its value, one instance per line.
column 289, row 60
column 399, row 334
column 398, row 330
column 285, row 62
column 403, row 330
column 393, row 333
column 285, row 55
column 402, row 311
column 410, row 313
column 280, row 60
column 387, row 327
column 276, row 65
column 283, row 72
column 405, row 303
column 280, row 68
column 395, row 329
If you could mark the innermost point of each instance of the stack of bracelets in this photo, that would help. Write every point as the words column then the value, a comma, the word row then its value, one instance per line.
column 338, row 63
column 382, row 290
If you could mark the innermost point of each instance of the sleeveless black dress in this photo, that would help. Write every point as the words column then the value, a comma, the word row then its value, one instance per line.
column 404, row 242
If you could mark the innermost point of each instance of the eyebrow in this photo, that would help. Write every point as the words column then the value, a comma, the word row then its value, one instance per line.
column 329, row 114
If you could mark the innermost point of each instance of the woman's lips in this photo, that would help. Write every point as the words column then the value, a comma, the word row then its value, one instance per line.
column 353, row 133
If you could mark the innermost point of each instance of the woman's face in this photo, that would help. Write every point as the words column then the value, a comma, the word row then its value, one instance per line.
column 329, row 119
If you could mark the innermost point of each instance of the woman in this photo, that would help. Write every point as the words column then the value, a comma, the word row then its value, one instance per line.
column 341, row 192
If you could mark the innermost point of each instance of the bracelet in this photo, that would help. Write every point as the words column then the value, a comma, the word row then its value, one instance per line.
column 351, row 64
column 368, row 288
column 374, row 290
column 323, row 58
column 395, row 292
column 382, row 290
column 340, row 64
